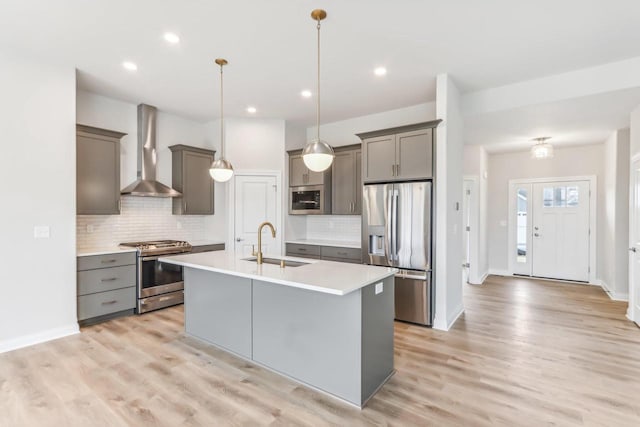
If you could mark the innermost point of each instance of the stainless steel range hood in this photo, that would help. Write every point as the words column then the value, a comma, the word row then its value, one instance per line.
column 146, row 184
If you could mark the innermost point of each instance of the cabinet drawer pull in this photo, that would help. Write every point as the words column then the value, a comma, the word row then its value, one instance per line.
column 110, row 279
column 108, row 261
column 302, row 249
column 110, row 302
column 343, row 253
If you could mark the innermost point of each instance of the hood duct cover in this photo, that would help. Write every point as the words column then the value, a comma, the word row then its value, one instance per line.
column 146, row 184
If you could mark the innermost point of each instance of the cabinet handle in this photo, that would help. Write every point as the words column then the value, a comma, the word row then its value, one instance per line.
column 110, row 302
column 393, row 170
column 185, row 206
column 342, row 253
column 397, row 170
column 119, row 205
column 110, row 279
column 302, row 249
column 108, row 261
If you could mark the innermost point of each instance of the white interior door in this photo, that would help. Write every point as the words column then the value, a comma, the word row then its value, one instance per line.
column 561, row 230
column 634, row 238
column 256, row 201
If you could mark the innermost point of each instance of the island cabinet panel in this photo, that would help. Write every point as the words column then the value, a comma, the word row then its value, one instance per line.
column 310, row 336
column 218, row 309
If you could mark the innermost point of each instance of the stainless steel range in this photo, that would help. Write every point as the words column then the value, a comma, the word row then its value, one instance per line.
column 159, row 285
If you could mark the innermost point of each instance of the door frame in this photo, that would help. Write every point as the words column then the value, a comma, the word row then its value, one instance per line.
column 474, row 234
column 231, row 203
column 632, row 225
column 511, row 221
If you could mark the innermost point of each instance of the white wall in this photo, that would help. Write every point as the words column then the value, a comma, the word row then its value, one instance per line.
column 448, row 217
column 37, row 107
column 570, row 161
column 344, row 132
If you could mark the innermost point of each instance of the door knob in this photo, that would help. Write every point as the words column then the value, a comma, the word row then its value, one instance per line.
column 239, row 239
column 536, row 234
column 536, row 228
column 634, row 250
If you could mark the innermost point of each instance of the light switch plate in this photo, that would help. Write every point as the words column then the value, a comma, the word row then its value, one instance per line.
column 41, row 232
column 379, row 288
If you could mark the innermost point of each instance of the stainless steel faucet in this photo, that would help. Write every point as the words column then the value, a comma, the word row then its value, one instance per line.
column 258, row 255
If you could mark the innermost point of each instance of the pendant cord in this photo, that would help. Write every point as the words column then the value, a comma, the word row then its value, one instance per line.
column 221, row 114
column 318, row 94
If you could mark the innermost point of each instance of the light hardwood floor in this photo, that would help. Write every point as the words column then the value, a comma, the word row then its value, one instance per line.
column 525, row 353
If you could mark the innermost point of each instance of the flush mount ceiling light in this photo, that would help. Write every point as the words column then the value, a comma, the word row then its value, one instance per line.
column 128, row 65
column 541, row 149
column 380, row 71
column 171, row 38
column 221, row 169
column 306, row 94
column 318, row 155
column 251, row 110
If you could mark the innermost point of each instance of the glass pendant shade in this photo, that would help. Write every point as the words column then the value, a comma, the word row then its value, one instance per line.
column 542, row 150
column 318, row 155
column 221, row 170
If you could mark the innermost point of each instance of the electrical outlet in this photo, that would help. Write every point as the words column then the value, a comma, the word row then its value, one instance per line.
column 41, row 232
column 90, row 228
column 379, row 288
column 179, row 225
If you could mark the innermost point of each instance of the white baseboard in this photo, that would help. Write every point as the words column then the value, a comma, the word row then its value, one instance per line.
column 483, row 277
column 615, row 296
column 442, row 325
column 495, row 272
column 39, row 337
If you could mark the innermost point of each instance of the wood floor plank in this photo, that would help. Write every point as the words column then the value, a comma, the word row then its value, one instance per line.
column 525, row 353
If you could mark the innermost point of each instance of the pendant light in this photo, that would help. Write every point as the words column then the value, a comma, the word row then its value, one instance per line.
column 318, row 154
column 221, row 169
column 541, row 149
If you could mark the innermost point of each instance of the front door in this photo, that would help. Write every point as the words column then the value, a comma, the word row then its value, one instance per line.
column 634, row 247
column 256, row 201
column 561, row 230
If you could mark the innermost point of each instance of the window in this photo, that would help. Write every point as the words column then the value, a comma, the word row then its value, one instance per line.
column 521, row 234
column 560, row 197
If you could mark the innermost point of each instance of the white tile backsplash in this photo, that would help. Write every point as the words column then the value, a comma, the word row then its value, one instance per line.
column 141, row 218
column 344, row 228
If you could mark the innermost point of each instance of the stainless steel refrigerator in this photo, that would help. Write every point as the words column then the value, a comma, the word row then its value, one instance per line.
column 396, row 232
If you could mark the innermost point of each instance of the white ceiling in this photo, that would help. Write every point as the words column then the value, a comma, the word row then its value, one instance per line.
column 270, row 46
column 578, row 121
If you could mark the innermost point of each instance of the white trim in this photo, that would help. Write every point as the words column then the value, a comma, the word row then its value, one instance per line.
column 231, row 210
column 39, row 337
column 438, row 324
column 496, row 272
column 474, row 233
column 615, row 296
column 480, row 282
column 593, row 188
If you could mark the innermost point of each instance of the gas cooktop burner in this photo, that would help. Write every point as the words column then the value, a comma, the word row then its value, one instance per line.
column 159, row 246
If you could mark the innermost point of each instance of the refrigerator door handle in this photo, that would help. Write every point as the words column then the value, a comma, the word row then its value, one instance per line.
column 395, row 225
column 388, row 231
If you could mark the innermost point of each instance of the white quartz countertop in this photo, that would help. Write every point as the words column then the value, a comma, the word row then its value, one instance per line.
column 102, row 250
column 323, row 242
column 330, row 277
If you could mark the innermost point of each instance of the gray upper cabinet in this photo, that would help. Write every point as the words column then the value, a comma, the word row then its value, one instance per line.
column 97, row 171
column 347, row 182
column 300, row 175
column 399, row 154
column 190, row 176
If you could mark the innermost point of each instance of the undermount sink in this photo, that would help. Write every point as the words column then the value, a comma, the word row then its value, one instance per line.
column 276, row 261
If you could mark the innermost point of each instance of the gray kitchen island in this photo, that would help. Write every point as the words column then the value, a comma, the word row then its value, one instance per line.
column 328, row 325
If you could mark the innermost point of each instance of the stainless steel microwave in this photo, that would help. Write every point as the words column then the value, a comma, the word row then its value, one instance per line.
column 310, row 200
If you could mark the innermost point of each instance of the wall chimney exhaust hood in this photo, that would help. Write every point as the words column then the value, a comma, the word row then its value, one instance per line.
column 146, row 184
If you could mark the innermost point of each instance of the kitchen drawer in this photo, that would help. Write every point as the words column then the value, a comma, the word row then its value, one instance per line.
column 348, row 260
column 341, row 253
column 107, row 260
column 295, row 249
column 106, row 279
column 106, row 302
column 207, row 248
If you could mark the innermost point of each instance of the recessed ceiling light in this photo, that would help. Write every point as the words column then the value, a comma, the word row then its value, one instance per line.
column 380, row 71
column 251, row 110
column 306, row 93
column 128, row 65
column 172, row 38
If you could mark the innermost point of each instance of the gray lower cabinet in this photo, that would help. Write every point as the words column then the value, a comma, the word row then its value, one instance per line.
column 347, row 181
column 106, row 286
column 327, row 253
column 190, row 176
column 399, row 154
column 97, row 171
